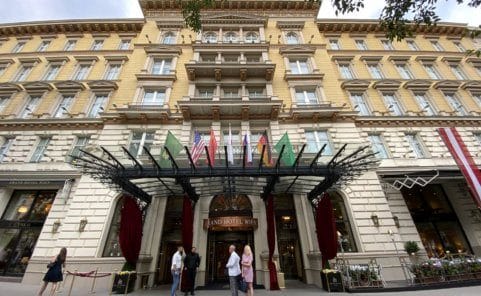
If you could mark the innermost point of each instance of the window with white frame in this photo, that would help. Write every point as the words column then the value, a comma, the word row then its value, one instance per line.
column 161, row 66
column 378, row 146
column 64, row 105
column 359, row 104
column 456, row 104
column 404, row 71
column 4, row 99
column 124, row 44
column 230, row 37
column 256, row 92
column 459, row 46
column 23, row 72
column 477, row 136
column 113, row 71
column 432, row 71
column 3, row 67
column 346, row 71
column 412, row 45
column 207, row 58
column 70, row 45
column 476, row 97
column 52, row 72
column 253, row 58
column 18, row 47
column 477, row 67
column 139, row 141
column 251, row 37
column 82, row 72
column 210, row 37
column 361, row 44
column 30, row 106
column 44, row 45
column 153, row 97
column 230, row 92
column 306, row 96
column 98, row 105
column 424, row 104
column 375, row 71
column 436, row 45
column 230, row 58
column 292, row 38
column 315, row 140
column 458, row 72
column 416, row 145
column 80, row 144
column 40, row 149
column 5, row 148
column 169, row 38
column 205, row 92
column 97, row 44
column 299, row 66
column 392, row 104
column 334, row 44
column 387, row 45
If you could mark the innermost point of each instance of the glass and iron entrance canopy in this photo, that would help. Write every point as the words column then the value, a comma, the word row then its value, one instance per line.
column 146, row 176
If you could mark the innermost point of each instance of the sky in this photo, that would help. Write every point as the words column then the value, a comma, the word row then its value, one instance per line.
column 12, row 11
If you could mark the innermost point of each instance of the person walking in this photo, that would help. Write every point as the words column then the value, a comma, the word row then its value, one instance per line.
column 247, row 270
column 191, row 263
column 175, row 269
column 54, row 273
column 233, row 270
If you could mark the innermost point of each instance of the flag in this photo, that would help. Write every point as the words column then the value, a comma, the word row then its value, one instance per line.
column 288, row 156
column 174, row 146
column 230, row 151
column 198, row 147
column 247, row 144
column 464, row 160
column 212, row 147
column 264, row 140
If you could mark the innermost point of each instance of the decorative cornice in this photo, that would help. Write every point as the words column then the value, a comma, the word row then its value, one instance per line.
column 63, row 86
column 6, row 61
column 233, row 18
column 472, row 85
column 170, row 24
column 417, row 121
column 297, row 49
column 156, row 77
column 8, row 87
column 86, row 58
column 355, row 85
column 116, row 58
column 37, row 86
column 296, row 25
column 160, row 49
column 386, row 85
column 29, row 60
column 370, row 58
column 102, row 85
column 448, row 85
column 345, row 58
column 424, row 59
column 51, row 123
column 57, row 59
column 397, row 59
column 452, row 60
column 418, row 84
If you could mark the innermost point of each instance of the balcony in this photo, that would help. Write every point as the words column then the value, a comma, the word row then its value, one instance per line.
column 139, row 111
column 219, row 108
column 242, row 70
column 318, row 111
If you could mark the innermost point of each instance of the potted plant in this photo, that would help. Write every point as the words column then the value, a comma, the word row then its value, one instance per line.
column 411, row 247
column 125, row 280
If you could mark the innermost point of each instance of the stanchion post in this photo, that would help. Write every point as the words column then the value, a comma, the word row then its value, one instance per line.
column 71, row 284
column 112, row 282
column 93, row 282
column 127, row 284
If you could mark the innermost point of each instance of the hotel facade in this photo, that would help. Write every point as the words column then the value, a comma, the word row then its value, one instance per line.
column 256, row 66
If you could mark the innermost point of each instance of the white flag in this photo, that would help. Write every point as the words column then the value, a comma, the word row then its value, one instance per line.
column 230, row 151
column 247, row 143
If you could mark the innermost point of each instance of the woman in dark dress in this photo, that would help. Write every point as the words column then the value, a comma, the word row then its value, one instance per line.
column 54, row 273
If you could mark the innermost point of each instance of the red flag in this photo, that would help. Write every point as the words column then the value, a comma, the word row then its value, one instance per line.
column 212, row 147
column 264, row 141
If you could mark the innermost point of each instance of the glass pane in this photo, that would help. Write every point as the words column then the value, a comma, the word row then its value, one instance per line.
column 112, row 246
column 22, row 251
column 42, row 205
column 7, row 246
column 19, row 205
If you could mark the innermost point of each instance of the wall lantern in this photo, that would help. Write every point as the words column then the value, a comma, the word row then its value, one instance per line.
column 82, row 225
column 56, row 226
column 375, row 220
column 396, row 221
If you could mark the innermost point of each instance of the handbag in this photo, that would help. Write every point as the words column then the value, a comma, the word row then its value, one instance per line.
column 242, row 285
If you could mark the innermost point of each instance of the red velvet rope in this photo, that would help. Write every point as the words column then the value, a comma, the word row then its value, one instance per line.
column 90, row 274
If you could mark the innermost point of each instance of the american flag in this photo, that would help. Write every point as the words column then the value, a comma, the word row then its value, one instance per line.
column 198, row 147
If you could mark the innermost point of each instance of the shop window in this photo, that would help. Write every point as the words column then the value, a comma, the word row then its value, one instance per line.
column 112, row 245
column 343, row 224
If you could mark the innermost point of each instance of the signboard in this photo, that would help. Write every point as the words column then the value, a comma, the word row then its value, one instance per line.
column 231, row 222
column 30, row 182
column 332, row 281
column 19, row 224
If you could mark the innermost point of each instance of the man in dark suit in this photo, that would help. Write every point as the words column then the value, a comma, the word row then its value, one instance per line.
column 191, row 263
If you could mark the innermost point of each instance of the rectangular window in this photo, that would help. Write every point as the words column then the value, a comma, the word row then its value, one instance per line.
column 375, row 71
column 5, row 147
column 478, row 69
column 2, row 69
column 97, row 45
column 359, row 104
column 70, row 45
column 361, row 45
column 436, row 45
column 346, row 71
column 253, row 58
column 23, row 73
column 424, row 104
column 44, row 45
column 18, row 47
column 40, row 150
column 124, row 44
column 97, row 105
column 387, row 45
column 113, row 71
column 205, row 92
column 432, row 72
column 207, row 58
column 477, row 136
column 456, row 69
column 378, row 146
column 161, row 66
column 392, row 104
column 230, row 92
column 315, row 140
column 140, row 140
column 476, row 97
column 416, row 145
column 456, row 104
column 79, row 145
column 459, row 46
column 153, row 97
column 3, row 102
column 82, row 72
column 255, row 92
column 412, row 45
column 30, row 106
column 404, row 71
column 63, row 106
column 306, row 97
column 230, row 58
column 334, row 43
column 299, row 66
column 52, row 72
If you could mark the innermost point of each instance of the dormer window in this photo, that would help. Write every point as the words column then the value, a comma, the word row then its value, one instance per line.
column 230, row 37
column 210, row 37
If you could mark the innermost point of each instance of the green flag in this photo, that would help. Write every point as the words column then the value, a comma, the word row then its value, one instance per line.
column 288, row 156
column 174, row 147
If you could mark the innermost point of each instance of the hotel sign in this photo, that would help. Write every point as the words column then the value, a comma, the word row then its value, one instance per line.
column 231, row 222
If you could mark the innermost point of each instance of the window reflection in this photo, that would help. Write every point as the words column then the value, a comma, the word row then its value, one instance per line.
column 343, row 225
column 112, row 246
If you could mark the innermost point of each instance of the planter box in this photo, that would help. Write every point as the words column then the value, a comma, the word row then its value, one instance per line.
column 332, row 282
column 120, row 283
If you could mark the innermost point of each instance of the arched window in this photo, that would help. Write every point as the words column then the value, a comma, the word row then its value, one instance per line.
column 112, row 246
column 237, row 205
column 343, row 224
column 169, row 38
column 230, row 37
column 210, row 37
column 252, row 37
column 292, row 38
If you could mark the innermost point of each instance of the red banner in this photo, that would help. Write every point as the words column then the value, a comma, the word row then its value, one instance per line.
column 465, row 161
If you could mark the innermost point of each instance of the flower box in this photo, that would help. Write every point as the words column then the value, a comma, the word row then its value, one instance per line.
column 123, row 279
